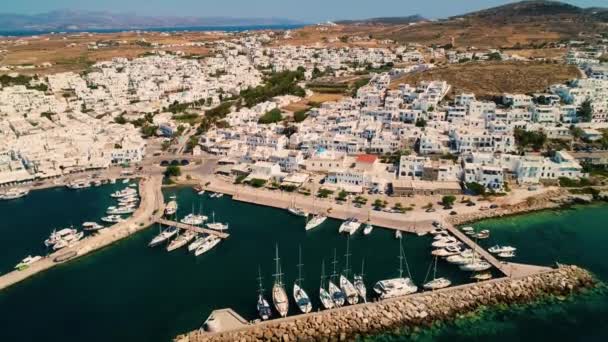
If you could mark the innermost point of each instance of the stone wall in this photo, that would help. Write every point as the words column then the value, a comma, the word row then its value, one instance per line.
column 416, row 310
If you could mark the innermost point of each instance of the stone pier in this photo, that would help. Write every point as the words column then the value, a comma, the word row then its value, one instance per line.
column 420, row 309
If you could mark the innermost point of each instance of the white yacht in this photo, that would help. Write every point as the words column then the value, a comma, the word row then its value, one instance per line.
column 127, row 192
column 207, row 245
column 217, row 225
column 262, row 305
column 360, row 284
column 198, row 242
column 14, row 193
column 396, row 287
column 59, row 235
column 484, row 234
column 368, row 228
column 459, row 259
column 279, row 296
column 112, row 219
column 68, row 240
column 501, row 249
column 476, row 266
column 334, row 291
column 349, row 226
column 163, row 236
column 300, row 296
column 171, row 208
column 324, row 295
column 79, row 184
column 181, row 240
column 447, row 251
column 120, row 210
column 315, row 221
column 352, row 296
column 25, row 263
column 436, row 283
column 194, row 219
column 91, row 226
column 482, row 276
column 297, row 211
column 507, row 254
column 398, row 234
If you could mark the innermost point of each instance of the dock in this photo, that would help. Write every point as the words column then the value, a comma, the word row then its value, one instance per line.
column 506, row 268
column 199, row 230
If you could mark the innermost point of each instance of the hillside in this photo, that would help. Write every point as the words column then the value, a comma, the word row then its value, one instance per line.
column 527, row 23
column 491, row 79
column 384, row 21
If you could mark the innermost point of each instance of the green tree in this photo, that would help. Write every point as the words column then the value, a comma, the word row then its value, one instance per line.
column 448, row 200
column 586, row 111
column 476, row 188
column 525, row 139
column 173, row 171
column 420, row 122
column 271, row 117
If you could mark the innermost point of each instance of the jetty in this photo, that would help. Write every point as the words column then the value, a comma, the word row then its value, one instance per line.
column 416, row 310
column 196, row 229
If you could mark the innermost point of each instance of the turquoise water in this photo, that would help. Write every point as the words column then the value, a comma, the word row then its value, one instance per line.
column 578, row 235
column 130, row 292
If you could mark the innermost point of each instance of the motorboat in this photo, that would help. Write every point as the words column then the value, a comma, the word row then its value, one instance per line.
column 350, row 226
column 91, row 226
column 467, row 229
column 501, row 249
column 79, row 184
column 458, row 259
column 368, row 229
column 124, row 193
column 315, row 221
column 25, row 263
column 181, row 240
column 484, row 234
column 171, row 208
column 446, row 242
column 482, row 276
column 398, row 234
column 59, row 235
column 14, row 193
column 508, row 254
column 112, row 219
column 120, row 210
column 476, row 266
column 438, row 231
column 207, row 245
column 279, row 296
column 447, row 251
column 163, row 236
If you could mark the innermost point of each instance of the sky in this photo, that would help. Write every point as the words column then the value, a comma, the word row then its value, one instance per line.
column 303, row 10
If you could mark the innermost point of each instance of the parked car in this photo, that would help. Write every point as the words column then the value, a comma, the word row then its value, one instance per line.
column 494, row 206
column 471, row 204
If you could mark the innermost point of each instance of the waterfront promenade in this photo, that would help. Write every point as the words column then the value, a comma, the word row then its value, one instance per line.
column 150, row 210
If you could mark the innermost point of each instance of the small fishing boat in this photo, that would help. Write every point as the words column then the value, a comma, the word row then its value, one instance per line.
column 484, row 234
column 482, row 276
column 501, row 249
column 476, row 266
column 91, row 226
column 507, row 254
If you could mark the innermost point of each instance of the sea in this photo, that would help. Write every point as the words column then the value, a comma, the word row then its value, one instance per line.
column 131, row 292
column 242, row 28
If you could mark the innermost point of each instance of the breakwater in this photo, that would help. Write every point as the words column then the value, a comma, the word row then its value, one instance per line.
column 416, row 310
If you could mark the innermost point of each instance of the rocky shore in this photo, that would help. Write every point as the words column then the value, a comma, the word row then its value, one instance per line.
column 548, row 200
column 416, row 310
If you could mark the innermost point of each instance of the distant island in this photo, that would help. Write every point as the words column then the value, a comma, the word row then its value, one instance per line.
column 68, row 20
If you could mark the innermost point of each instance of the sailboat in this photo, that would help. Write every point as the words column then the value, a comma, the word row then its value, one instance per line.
column 217, row 225
column 263, row 307
column 324, row 296
column 279, row 296
column 436, row 283
column 316, row 220
column 299, row 294
column 360, row 284
column 396, row 287
column 295, row 210
column 368, row 226
column 163, row 236
column 336, row 294
column 352, row 296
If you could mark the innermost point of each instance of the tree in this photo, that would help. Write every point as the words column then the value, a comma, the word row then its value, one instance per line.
column 586, row 111
column 525, row 139
column 448, row 200
column 476, row 188
column 271, row 117
column 300, row 115
column 173, row 171
column 379, row 204
column 120, row 120
column 342, row 195
column 420, row 122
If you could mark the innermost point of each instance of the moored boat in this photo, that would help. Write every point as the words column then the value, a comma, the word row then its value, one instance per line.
column 181, row 240
column 315, row 221
column 279, row 296
column 262, row 305
column 207, row 245
column 14, row 194
column 163, row 236
column 350, row 226
column 25, row 263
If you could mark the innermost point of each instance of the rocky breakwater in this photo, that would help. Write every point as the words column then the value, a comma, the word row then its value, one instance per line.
column 416, row 310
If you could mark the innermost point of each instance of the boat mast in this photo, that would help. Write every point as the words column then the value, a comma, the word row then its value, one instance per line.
column 261, row 289
column 347, row 256
column 322, row 273
column 400, row 260
column 300, row 264
column 278, row 275
column 334, row 263
column 362, row 267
